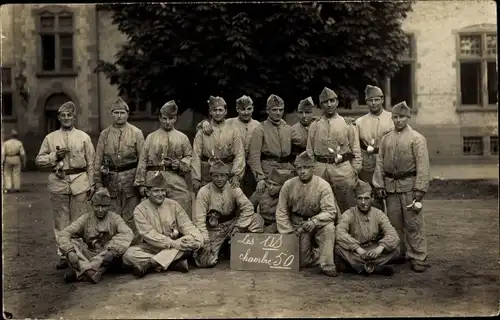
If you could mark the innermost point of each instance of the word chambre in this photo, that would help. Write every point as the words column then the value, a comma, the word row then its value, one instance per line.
column 329, row 192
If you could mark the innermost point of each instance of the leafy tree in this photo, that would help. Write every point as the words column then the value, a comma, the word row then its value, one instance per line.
column 187, row 52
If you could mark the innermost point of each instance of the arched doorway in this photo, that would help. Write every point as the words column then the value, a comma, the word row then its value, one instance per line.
column 52, row 104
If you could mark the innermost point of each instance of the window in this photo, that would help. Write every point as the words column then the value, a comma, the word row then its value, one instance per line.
column 494, row 145
column 473, row 146
column 139, row 107
column 477, row 68
column 55, row 31
column 401, row 86
column 7, row 102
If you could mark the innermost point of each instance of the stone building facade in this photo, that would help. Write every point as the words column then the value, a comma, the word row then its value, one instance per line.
column 49, row 53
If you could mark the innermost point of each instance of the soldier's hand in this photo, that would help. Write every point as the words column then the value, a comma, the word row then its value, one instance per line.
column 142, row 191
column 361, row 252
column 261, row 186
column 73, row 260
column 61, row 153
column 196, row 186
column 381, row 193
column 235, row 182
column 109, row 257
column 418, row 195
column 184, row 168
column 309, row 225
column 175, row 164
column 206, row 127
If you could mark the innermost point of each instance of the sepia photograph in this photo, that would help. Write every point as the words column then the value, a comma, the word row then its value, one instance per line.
column 282, row 159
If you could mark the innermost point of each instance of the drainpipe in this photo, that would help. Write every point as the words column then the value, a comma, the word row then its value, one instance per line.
column 97, row 74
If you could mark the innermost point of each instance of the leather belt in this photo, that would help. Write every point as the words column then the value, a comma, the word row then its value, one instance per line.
column 331, row 159
column 159, row 168
column 226, row 160
column 124, row 167
column 401, row 175
column 272, row 157
column 363, row 146
column 296, row 150
column 69, row 171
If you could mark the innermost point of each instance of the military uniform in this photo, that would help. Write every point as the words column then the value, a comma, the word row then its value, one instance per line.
column 300, row 130
column 117, row 156
column 13, row 158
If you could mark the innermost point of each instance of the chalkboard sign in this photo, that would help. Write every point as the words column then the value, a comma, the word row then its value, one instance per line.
column 265, row 252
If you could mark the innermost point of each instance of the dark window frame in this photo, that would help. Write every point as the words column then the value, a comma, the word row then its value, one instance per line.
column 467, row 142
column 57, row 13
column 8, row 89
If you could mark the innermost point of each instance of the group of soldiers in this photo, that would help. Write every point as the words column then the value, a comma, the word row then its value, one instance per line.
column 351, row 191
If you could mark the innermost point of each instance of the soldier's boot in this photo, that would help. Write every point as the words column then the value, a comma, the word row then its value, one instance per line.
column 419, row 266
column 180, row 265
column 141, row 270
column 62, row 264
column 93, row 276
column 384, row 270
column 70, row 276
column 329, row 270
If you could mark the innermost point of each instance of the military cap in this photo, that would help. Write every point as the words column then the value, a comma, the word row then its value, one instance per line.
column 401, row 109
column 243, row 102
column 214, row 102
column 327, row 94
column 156, row 181
column 220, row 167
column 278, row 177
column 119, row 104
column 101, row 197
column 362, row 188
column 372, row 92
column 304, row 159
column 169, row 108
column 274, row 101
column 67, row 107
column 306, row 105
column 14, row 133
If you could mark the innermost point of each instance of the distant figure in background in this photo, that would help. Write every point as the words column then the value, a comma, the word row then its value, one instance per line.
column 365, row 238
column 13, row 156
column 69, row 153
column 265, row 203
column 116, row 159
column 95, row 241
column 245, row 125
column 371, row 128
column 402, row 176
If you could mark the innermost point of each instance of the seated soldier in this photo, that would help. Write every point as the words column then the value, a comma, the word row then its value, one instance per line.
column 306, row 206
column 265, row 203
column 221, row 211
column 366, row 240
column 168, row 235
column 96, row 240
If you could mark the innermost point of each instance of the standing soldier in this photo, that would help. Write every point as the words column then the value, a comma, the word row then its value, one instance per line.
column 335, row 145
column 70, row 154
column 13, row 156
column 402, row 176
column 300, row 130
column 245, row 125
column 271, row 143
column 167, row 150
column 371, row 127
column 224, row 144
column 116, row 160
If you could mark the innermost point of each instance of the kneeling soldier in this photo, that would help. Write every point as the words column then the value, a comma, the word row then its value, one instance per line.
column 366, row 240
column 306, row 206
column 222, row 211
column 95, row 240
column 265, row 204
column 168, row 235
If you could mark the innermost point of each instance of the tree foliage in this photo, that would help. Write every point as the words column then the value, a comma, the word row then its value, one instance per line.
column 187, row 52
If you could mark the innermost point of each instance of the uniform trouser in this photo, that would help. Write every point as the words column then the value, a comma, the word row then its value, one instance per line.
column 208, row 255
column 141, row 254
column 342, row 177
column 124, row 206
column 316, row 247
column 66, row 209
column 367, row 177
column 176, row 189
column 268, row 166
column 12, row 173
column 409, row 225
column 88, row 259
column 355, row 261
